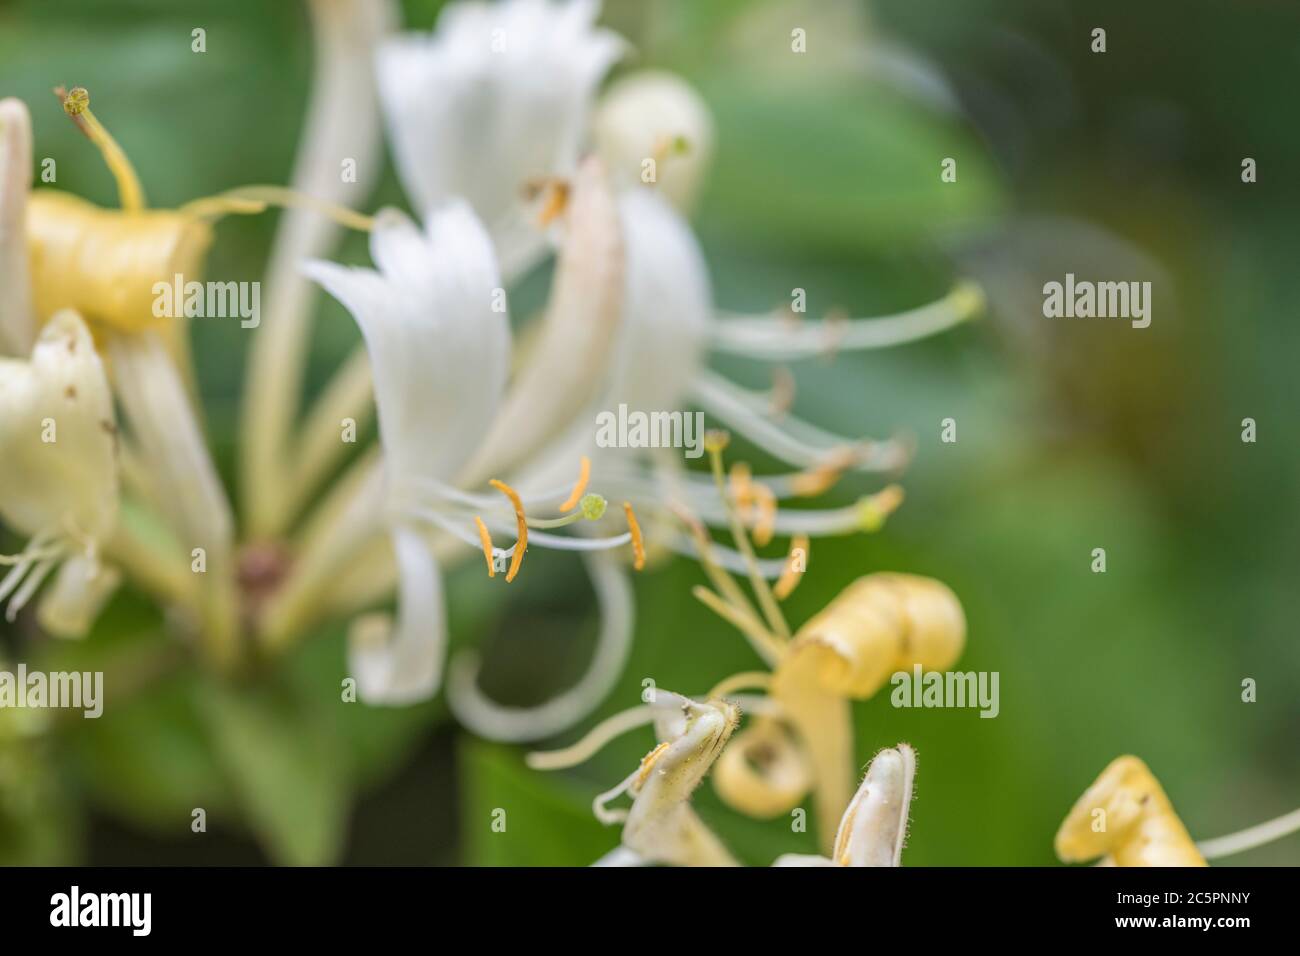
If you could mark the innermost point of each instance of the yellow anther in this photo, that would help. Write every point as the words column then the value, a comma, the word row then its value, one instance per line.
column 765, row 523
column 584, row 476
column 521, row 521
column 555, row 198
column 648, row 762
column 823, row 476
column 876, row 508
column 486, row 538
column 740, row 479
column 638, row 545
column 791, row 575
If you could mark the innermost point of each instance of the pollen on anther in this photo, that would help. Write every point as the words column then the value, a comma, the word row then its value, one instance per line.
column 521, row 521
column 584, row 476
column 638, row 544
column 486, row 539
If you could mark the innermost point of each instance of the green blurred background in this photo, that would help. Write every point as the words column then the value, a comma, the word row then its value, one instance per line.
column 1071, row 435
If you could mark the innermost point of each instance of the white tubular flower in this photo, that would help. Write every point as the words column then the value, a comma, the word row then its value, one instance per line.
column 59, row 482
column 874, row 826
column 496, row 98
column 440, row 356
column 652, row 127
column 661, row 826
column 16, row 321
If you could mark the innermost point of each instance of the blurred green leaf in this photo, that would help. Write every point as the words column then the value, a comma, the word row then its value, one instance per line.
column 289, row 779
column 776, row 179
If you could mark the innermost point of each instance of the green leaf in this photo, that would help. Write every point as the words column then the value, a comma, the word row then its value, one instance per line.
column 290, row 779
column 540, row 819
column 828, row 166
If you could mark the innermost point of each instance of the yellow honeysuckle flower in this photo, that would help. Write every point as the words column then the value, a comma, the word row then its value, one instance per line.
column 801, row 738
column 1125, row 819
column 661, row 826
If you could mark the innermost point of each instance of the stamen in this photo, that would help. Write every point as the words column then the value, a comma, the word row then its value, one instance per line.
column 250, row 200
column 771, row 611
column 835, row 323
column 823, row 476
column 556, row 198
column 766, row 522
column 648, row 761
column 767, row 646
column 745, row 680
column 77, row 105
column 790, row 578
column 521, row 522
column 487, row 546
column 782, row 392
column 638, row 545
column 740, row 481
column 726, row 586
column 596, row 738
column 584, row 476
column 874, row 509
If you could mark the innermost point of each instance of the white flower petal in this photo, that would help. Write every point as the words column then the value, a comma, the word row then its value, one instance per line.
column 568, row 359
column 489, row 719
column 17, row 324
column 498, row 95
column 438, row 352
column 58, row 437
column 403, row 665
column 667, row 309
column 874, row 826
column 78, row 594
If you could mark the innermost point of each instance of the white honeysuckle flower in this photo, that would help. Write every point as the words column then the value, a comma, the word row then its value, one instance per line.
column 496, row 98
column 874, row 827
column 651, row 126
column 440, row 351
column 649, row 350
column 59, row 481
column 661, row 826
column 440, row 356
column 17, row 324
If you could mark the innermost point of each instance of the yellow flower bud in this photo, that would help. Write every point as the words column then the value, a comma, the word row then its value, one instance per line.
column 1126, row 819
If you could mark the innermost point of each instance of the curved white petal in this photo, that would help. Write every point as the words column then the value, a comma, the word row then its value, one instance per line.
column 17, row 324
column 489, row 719
column 438, row 351
column 79, row 592
column 497, row 96
column 667, row 308
column 403, row 664
column 567, row 360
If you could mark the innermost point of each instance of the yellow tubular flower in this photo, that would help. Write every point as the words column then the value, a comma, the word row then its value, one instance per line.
column 130, row 252
column 880, row 624
column 1126, row 819
column 764, row 772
